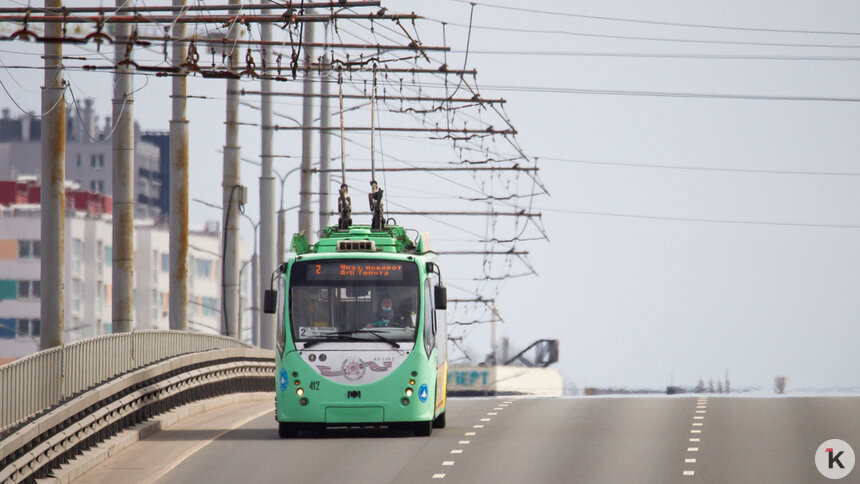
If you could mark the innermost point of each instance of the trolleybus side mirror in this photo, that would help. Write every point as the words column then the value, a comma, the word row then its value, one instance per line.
column 270, row 301
column 441, row 297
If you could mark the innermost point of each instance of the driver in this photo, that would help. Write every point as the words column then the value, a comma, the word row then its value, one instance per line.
column 384, row 314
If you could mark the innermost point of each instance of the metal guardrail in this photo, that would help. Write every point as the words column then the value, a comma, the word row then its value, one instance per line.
column 38, row 382
column 53, row 438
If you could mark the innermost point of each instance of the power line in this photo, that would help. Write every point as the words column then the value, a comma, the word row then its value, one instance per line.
column 645, row 55
column 562, row 90
column 645, row 38
column 700, row 168
column 657, row 22
column 698, row 219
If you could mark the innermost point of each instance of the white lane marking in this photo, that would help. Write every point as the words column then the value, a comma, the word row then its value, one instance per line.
column 689, row 473
column 697, row 424
column 469, row 434
column 694, row 431
column 689, row 461
column 699, row 417
column 499, row 408
column 438, row 476
column 485, row 419
column 477, row 426
column 448, row 463
column 169, row 467
column 492, row 413
column 465, row 442
column 701, row 411
column 692, row 449
column 695, row 439
column 456, row 451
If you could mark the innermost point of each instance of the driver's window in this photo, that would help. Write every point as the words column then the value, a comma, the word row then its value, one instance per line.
column 429, row 339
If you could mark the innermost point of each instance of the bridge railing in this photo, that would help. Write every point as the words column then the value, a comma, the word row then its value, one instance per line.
column 42, row 380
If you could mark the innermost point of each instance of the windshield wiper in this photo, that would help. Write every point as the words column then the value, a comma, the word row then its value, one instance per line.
column 337, row 337
column 363, row 331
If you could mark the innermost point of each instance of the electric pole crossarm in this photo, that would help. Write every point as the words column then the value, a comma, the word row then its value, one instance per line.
column 136, row 9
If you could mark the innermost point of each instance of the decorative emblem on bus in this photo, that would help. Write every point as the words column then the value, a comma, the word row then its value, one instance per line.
column 354, row 368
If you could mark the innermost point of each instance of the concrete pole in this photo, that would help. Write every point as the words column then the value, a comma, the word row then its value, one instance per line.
column 231, row 185
column 123, row 187
column 265, row 329
column 325, row 138
column 306, row 212
column 282, row 228
column 53, row 196
column 178, row 216
column 255, row 298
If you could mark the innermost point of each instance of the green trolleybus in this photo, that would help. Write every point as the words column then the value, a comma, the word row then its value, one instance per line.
column 361, row 332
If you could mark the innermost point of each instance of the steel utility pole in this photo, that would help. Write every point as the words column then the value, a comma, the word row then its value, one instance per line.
column 305, row 208
column 123, row 185
column 178, row 215
column 232, row 191
column 53, row 196
column 266, row 329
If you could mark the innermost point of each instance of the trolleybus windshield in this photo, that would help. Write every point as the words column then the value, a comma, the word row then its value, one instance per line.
column 354, row 300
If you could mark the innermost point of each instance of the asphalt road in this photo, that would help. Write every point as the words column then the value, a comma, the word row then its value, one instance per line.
column 511, row 440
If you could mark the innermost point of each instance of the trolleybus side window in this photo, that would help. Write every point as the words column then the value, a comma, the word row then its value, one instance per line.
column 429, row 337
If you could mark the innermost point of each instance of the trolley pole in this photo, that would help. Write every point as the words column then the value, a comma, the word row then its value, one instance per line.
column 178, row 215
column 53, row 198
column 123, row 185
column 325, row 139
column 265, row 332
column 232, row 191
column 305, row 208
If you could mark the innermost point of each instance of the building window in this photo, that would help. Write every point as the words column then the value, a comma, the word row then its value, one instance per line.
column 101, row 160
column 165, row 263
column 29, row 249
column 93, row 161
column 78, row 160
column 29, row 289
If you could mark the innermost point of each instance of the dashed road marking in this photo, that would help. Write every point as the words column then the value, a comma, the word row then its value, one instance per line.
column 694, row 439
column 697, row 424
column 465, row 442
column 692, row 449
column 699, row 417
column 701, row 411
column 485, row 419
column 689, row 461
column 499, row 408
column 689, row 473
column 695, row 431
column 448, row 463
column 438, row 476
column 477, row 426
column 492, row 413
column 469, row 434
column 456, row 451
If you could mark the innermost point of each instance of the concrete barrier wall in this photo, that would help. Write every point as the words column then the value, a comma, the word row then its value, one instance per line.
column 504, row 380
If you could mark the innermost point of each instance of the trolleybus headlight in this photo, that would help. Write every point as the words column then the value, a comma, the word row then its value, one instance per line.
column 404, row 401
column 297, row 382
column 411, row 382
column 303, row 401
column 300, row 392
column 408, row 392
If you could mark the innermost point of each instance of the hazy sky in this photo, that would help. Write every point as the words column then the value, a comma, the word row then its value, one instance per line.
column 689, row 235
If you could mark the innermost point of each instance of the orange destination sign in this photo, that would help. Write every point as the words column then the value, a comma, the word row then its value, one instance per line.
column 355, row 271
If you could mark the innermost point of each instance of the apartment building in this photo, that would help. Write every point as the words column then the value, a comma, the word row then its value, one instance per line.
column 88, row 263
